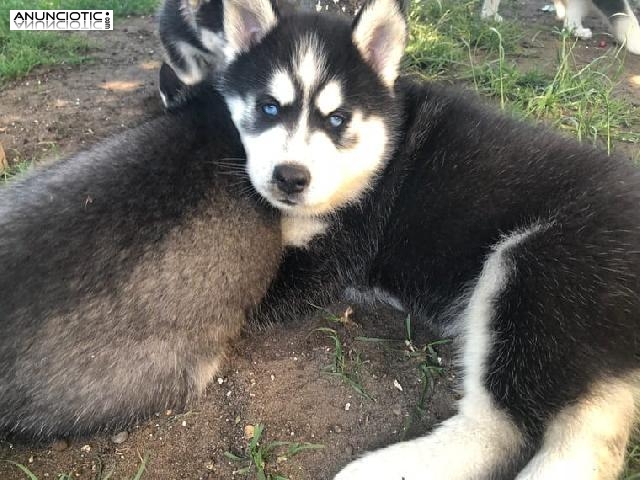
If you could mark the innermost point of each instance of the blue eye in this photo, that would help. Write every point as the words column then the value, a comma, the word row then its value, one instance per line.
column 336, row 120
column 270, row 109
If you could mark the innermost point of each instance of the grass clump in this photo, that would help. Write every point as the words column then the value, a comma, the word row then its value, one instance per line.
column 100, row 473
column 14, row 170
column 345, row 365
column 259, row 454
column 576, row 99
column 443, row 31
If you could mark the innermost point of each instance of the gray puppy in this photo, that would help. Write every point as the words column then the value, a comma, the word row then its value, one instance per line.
column 124, row 272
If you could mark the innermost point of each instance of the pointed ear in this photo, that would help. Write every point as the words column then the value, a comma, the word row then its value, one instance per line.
column 380, row 33
column 246, row 22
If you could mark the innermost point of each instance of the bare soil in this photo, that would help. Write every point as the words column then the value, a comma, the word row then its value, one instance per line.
column 277, row 377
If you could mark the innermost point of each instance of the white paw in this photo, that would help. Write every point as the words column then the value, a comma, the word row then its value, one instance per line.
column 488, row 15
column 633, row 46
column 391, row 463
column 583, row 33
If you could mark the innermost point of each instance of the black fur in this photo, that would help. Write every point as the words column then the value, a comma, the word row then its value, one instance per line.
column 182, row 23
column 124, row 271
column 461, row 177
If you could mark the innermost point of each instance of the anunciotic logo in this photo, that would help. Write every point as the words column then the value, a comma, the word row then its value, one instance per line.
column 61, row 19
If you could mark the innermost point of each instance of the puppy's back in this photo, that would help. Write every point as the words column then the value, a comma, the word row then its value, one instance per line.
column 125, row 271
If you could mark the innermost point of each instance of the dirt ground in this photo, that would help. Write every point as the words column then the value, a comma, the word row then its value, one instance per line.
column 277, row 378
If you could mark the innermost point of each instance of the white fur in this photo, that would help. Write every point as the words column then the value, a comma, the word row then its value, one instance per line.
column 338, row 176
column 490, row 10
column 299, row 231
column 329, row 98
column 587, row 440
column 480, row 437
column 575, row 10
column 627, row 30
column 246, row 22
column 380, row 37
column 212, row 41
column 239, row 109
column 310, row 63
column 370, row 296
column 192, row 74
column 281, row 88
column 561, row 11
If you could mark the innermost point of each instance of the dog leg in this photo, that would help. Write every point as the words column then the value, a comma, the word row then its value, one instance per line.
column 587, row 440
column 481, row 439
column 626, row 29
column 490, row 10
column 561, row 10
column 576, row 9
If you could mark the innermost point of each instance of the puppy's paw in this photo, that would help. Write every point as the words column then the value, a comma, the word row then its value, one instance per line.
column 583, row 33
column 391, row 464
column 489, row 15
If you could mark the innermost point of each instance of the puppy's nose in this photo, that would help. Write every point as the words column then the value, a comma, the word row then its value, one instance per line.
column 291, row 178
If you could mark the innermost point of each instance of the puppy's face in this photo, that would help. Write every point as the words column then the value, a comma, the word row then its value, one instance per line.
column 315, row 116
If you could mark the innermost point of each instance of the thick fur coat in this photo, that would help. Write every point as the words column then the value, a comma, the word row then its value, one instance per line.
column 124, row 272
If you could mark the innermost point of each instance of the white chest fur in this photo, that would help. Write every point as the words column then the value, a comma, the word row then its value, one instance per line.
column 298, row 231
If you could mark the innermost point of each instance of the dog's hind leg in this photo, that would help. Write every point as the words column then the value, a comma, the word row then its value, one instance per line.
column 541, row 327
column 575, row 11
column 490, row 10
column 481, row 441
column 587, row 440
column 624, row 23
column 561, row 9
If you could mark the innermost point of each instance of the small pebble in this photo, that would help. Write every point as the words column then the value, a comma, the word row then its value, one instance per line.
column 120, row 437
column 249, row 431
column 337, row 429
column 209, row 465
column 85, row 448
column 347, row 406
column 184, row 423
column 60, row 445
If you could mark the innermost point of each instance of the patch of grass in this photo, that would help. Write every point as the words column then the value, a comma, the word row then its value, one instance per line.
column 21, row 51
column 100, row 474
column 259, row 454
column 430, row 368
column 443, row 31
column 450, row 42
column 15, row 169
column 346, row 365
column 578, row 100
column 632, row 462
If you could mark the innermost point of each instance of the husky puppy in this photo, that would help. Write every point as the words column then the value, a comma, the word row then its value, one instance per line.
column 124, row 272
column 617, row 13
column 193, row 44
column 521, row 243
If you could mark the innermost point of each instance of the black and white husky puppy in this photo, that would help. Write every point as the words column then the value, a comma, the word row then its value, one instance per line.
column 523, row 244
column 124, row 272
column 193, row 46
column 617, row 13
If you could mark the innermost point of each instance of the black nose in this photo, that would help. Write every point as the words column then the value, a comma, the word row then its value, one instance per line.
column 291, row 178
